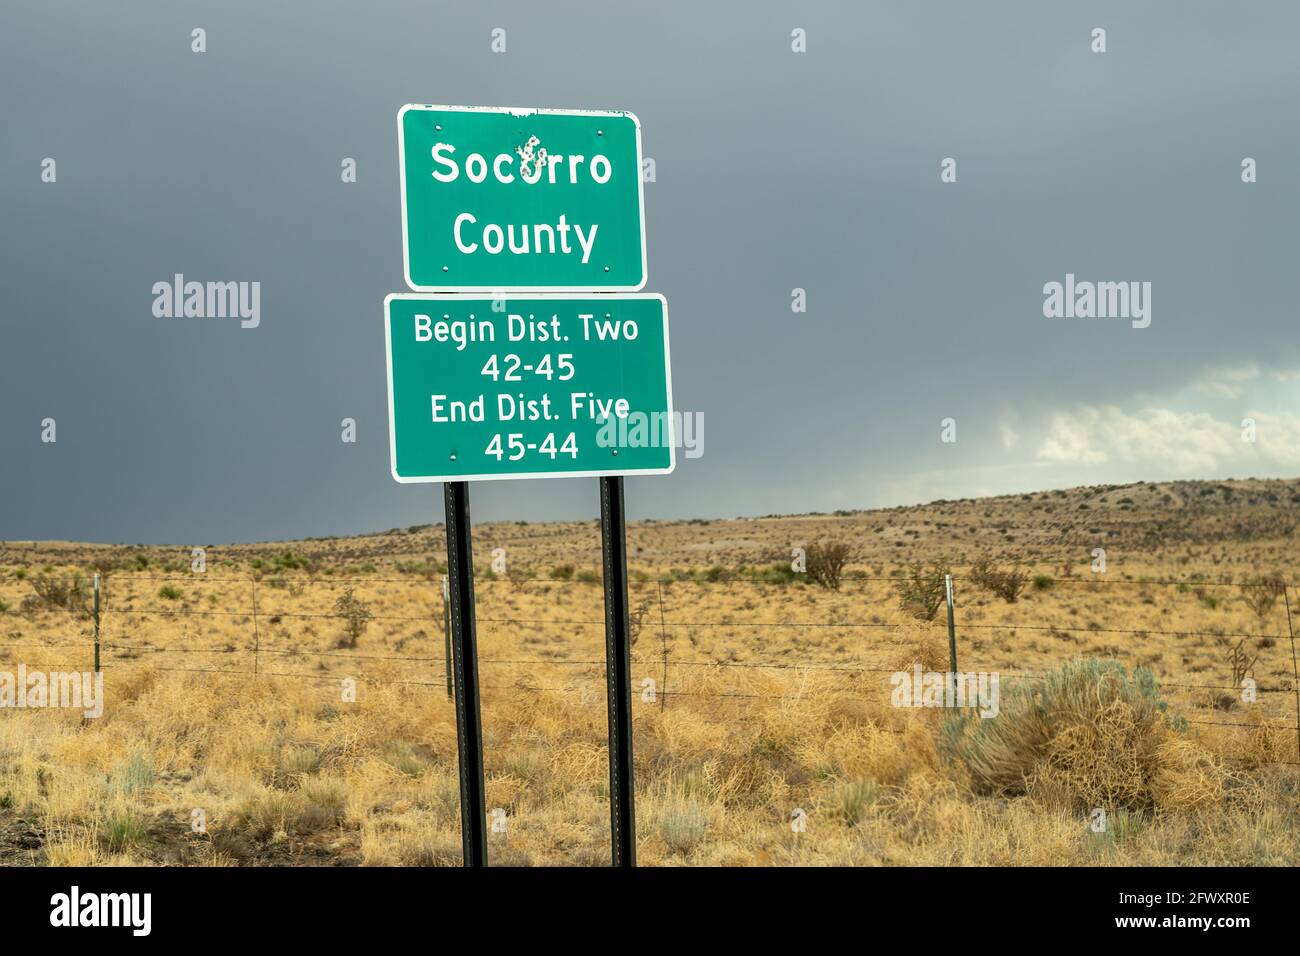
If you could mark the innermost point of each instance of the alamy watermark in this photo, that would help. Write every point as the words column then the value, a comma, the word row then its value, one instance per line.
column 1081, row 299
column 922, row 688
column 684, row 430
column 82, row 691
column 130, row 910
column 179, row 299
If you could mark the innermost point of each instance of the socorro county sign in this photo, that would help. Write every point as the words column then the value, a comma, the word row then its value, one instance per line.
column 541, row 386
column 521, row 200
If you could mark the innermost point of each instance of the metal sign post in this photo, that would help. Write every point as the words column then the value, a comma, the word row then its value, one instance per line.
column 618, row 673
column 469, row 725
column 571, row 378
column 96, row 623
column 446, row 635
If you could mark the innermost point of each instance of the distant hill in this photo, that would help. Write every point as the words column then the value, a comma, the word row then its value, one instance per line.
column 1208, row 525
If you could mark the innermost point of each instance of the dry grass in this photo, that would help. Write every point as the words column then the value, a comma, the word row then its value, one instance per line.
column 764, row 717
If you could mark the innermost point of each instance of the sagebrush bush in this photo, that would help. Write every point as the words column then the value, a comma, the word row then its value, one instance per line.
column 683, row 825
column 1088, row 735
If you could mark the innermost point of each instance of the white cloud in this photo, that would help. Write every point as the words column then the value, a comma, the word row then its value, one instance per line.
column 1277, row 437
column 1227, row 382
column 1177, row 442
column 1193, row 431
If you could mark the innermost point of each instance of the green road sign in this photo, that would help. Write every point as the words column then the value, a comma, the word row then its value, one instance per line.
column 541, row 386
column 521, row 200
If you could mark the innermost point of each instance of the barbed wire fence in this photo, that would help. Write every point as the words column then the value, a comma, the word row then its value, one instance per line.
column 111, row 618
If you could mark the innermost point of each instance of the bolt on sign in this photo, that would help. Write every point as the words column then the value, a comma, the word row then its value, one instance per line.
column 542, row 386
column 518, row 200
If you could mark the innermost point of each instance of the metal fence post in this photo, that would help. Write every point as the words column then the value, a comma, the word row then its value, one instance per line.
column 952, row 635
column 1295, row 672
column 446, row 635
column 663, row 640
column 257, row 634
column 96, row 622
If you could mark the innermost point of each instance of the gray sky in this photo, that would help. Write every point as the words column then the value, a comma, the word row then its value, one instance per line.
column 775, row 170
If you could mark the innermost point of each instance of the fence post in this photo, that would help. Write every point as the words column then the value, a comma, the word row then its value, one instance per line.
column 446, row 635
column 257, row 636
column 96, row 622
column 1295, row 672
column 952, row 635
column 663, row 640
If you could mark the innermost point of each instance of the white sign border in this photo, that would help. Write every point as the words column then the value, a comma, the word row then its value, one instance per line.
column 517, row 111
column 595, row 297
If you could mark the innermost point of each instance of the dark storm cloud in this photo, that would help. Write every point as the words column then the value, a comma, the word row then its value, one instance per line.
column 775, row 170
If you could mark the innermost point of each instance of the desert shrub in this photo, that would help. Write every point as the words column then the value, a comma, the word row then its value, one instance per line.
column 1261, row 593
column 356, row 617
column 285, row 561
column 778, row 573
column 921, row 589
column 59, row 593
column 588, row 577
column 854, row 798
column 826, row 561
column 295, row 761
column 1089, row 735
column 403, row 756
column 1010, row 583
column 1043, row 582
column 982, row 573
column 1190, row 778
column 930, row 650
column 1006, row 584
column 134, row 774
column 169, row 592
column 683, row 825
column 319, row 803
column 517, row 573
column 123, row 827
column 562, row 572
